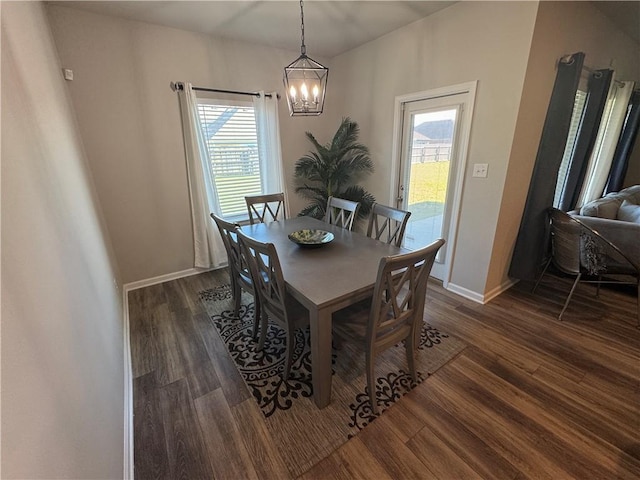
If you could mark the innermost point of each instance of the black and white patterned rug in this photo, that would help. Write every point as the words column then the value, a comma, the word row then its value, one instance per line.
column 288, row 405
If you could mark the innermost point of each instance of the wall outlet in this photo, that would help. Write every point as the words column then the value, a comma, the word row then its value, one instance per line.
column 480, row 169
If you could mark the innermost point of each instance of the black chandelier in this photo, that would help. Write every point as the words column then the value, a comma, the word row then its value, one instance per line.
column 305, row 81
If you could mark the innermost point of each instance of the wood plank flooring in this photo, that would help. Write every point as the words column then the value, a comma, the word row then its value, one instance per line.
column 529, row 398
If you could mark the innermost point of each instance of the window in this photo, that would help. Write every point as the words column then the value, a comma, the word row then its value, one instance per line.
column 588, row 175
column 607, row 139
column 232, row 146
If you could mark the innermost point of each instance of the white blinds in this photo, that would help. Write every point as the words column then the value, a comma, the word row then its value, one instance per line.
column 574, row 128
column 232, row 145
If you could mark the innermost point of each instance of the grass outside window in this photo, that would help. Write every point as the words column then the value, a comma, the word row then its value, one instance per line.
column 428, row 189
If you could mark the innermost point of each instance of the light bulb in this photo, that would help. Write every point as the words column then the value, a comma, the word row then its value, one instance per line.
column 304, row 91
column 315, row 93
column 292, row 93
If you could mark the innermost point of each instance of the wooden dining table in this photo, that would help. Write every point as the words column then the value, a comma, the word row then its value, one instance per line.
column 324, row 280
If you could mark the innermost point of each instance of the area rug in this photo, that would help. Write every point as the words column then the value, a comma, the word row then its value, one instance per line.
column 305, row 434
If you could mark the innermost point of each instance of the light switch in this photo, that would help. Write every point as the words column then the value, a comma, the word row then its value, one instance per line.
column 480, row 169
column 68, row 73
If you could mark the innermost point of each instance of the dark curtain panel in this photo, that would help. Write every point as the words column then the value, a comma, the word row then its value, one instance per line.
column 625, row 145
column 598, row 89
column 531, row 242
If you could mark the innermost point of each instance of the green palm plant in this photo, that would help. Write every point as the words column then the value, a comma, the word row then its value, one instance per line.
column 333, row 169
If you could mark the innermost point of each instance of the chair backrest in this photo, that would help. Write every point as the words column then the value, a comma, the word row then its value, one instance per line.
column 267, row 276
column 228, row 232
column 265, row 208
column 387, row 224
column 341, row 212
column 399, row 295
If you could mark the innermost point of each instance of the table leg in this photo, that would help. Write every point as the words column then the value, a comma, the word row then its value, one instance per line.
column 321, row 356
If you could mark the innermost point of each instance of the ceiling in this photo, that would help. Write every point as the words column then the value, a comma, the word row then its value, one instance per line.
column 331, row 27
column 624, row 14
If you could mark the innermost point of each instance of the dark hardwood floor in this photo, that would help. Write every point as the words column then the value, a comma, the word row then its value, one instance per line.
column 529, row 398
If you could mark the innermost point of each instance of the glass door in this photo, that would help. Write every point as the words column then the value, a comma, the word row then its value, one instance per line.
column 427, row 167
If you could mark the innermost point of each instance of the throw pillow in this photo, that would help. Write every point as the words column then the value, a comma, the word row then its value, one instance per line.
column 629, row 212
column 602, row 208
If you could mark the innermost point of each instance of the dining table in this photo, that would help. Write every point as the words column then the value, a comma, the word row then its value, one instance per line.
column 324, row 280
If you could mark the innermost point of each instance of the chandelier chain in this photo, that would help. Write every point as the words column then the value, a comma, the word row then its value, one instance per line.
column 303, row 48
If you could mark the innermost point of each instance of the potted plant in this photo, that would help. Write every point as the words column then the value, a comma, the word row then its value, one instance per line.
column 333, row 169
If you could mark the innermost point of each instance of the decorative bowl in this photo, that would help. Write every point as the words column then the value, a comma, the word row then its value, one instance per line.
column 311, row 238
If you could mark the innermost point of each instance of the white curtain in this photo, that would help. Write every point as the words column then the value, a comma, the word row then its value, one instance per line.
column 606, row 141
column 207, row 244
column 269, row 149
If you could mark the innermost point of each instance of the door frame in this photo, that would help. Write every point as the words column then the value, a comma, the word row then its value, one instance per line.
column 464, row 136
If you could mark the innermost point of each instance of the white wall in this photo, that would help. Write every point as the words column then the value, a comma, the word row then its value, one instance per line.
column 484, row 41
column 62, row 332
column 130, row 123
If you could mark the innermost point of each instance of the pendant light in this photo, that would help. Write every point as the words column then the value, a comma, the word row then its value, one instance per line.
column 305, row 81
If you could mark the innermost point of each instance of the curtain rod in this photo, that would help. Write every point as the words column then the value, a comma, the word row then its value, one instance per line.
column 175, row 86
column 594, row 71
column 569, row 59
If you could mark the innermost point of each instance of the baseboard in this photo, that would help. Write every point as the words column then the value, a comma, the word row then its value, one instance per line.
column 465, row 292
column 503, row 287
column 478, row 297
column 128, row 473
column 163, row 278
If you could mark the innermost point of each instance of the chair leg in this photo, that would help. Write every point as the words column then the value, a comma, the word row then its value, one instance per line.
column 371, row 383
column 256, row 315
column 544, row 270
column 237, row 298
column 410, row 349
column 638, row 323
column 264, row 325
column 566, row 304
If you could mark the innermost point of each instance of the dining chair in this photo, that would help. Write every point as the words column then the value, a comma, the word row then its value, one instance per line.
column 577, row 249
column 394, row 313
column 341, row 212
column 265, row 208
column 387, row 224
column 239, row 272
column 275, row 302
